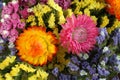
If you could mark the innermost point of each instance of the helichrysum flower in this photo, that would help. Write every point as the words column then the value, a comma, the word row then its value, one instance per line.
column 114, row 7
column 78, row 34
column 36, row 46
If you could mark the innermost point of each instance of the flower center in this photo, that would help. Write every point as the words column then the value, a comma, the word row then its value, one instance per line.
column 79, row 34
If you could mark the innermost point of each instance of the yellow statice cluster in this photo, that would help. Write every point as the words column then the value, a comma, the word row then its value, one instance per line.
column 46, row 15
column 59, row 9
column 51, row 21
column 31, row 20
column 39, row 10
column 39, row 75
column 114, row 26
column 89, row 4
column 8, row 60
column 105, row 21
column 85, row 7
column 18, row 67
column 61, row 59
column 1, row 77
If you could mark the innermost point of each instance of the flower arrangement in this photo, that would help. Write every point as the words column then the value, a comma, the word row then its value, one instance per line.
column 59, row 40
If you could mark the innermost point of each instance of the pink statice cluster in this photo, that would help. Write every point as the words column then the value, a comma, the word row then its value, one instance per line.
column 79, row 34
column 24, row 6
column 65, row 4
column 43, row 1
column 11, row 21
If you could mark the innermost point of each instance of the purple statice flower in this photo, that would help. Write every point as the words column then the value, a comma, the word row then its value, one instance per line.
column 87, row 79
column 12, row 48
column 85, row 65
column 10, row 21
column 64, row 77
column 102, row 35
column 75, row 60
column 27, row 2
column 96, row 57
column 74, row 78
column 102, row 71
column 113, row 59
column 24, row 12
column 1, row 4
column 73, row 67
column 115, row 78
column 95, row 77
column 106, row 50
column 1, row 48
column 55, row 71
column 65, row 4
column 2, row 42
column 116, row 37
column 92, row 70
column 105, row 59
column 43, row 1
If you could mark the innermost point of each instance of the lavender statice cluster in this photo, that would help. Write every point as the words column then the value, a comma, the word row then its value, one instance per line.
column 102, row 63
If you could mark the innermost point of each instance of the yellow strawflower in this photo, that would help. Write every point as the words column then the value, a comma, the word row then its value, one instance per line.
column 36, row 46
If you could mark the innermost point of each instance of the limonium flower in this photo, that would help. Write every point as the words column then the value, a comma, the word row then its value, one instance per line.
column 10, row 21
column 79, row 34
column 36, row 46
column 65, row 4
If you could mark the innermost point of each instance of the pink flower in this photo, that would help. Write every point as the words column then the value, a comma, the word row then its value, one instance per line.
column 65, row 4
column 24, row 13
column 79, row 34
column 13, row 35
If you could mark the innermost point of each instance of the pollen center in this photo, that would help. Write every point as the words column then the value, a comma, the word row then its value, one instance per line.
column 79, row 34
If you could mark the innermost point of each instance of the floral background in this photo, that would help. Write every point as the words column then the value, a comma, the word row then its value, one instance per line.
column 59, row 40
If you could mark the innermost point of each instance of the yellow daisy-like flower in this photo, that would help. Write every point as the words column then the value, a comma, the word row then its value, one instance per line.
column 36, row 46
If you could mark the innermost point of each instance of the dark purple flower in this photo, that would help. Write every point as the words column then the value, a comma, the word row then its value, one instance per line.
column 64, row 77
column 75, row 60
column 113, row 59
column 102, row 71
column 1, row 4
column 43, row 1
column 85, row 65
column 116, row 37
column 102, row 35
column 65, row 4
column 105, row 59
column 73, row 67
column 95, row 77
column 1, row 44
column 74, row 78
column 92, row 71
column 115, row 78
column 27, row 2
column 55, row 71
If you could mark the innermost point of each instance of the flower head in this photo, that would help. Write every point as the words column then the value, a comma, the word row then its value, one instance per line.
column 36, row 46
column 78, row 34
column 114, row 7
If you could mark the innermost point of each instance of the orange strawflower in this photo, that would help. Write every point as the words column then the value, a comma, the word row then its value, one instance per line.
column 114, row 7
column 36, row 46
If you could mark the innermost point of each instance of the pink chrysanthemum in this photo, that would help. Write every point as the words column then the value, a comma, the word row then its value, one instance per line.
column 78, row 34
